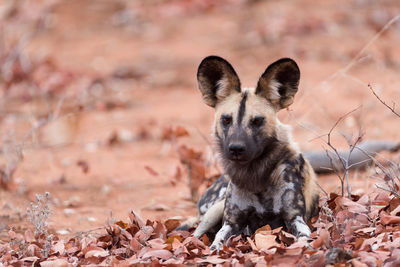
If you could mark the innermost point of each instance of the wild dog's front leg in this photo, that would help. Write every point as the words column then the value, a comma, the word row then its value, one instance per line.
column 293, row 213
column 231, row 226
column 223, row 234
column 232, row 222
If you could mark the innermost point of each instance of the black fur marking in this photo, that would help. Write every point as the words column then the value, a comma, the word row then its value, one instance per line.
column 294, row 171
column 213, row 193
column 260, row 197
column 242, row 108
column 257, row 122
column 314, row 207
column 302, row 162
column 254, row 220
column 213, row 76
column 184, row 227
column 289, row 78
column 225, row 127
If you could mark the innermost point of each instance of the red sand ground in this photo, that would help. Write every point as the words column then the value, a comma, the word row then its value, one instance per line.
column 163, row 45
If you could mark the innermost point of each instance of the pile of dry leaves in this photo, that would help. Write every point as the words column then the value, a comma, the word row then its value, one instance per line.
column 362, row 231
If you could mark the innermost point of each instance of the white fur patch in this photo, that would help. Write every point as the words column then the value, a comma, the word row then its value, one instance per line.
column 222, row 91
column 250, row 90
column 284, row 133
column 274, row 85
column 243, row 200
column 301, row 227
column 222, row 192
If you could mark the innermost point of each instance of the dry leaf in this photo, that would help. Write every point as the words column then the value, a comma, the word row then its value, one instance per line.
column 122, row 224
column 56, row 263
column 265, row 228
column 265, row 241
column 59, row 248
column 158, row 253
column 29, row 236
column 395, row 211
column 157, row 243
column 389, row 219
column 350, row 205
column 214, row 259
column 171, row 224
column 136, row 219
column 170, row 133
column 98, row 252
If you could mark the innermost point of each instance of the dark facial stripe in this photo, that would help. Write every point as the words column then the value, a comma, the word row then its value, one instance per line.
column 242, row 108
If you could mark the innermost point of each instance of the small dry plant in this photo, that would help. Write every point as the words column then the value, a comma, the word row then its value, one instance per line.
column 391, row 173
column 341, row 162
column 38, row 214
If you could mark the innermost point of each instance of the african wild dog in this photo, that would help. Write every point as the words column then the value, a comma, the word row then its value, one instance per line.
column 266, row 179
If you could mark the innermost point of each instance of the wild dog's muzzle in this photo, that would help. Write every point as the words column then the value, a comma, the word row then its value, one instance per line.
column 237, row 149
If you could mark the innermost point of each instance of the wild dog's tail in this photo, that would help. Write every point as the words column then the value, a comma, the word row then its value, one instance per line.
column 360, row 157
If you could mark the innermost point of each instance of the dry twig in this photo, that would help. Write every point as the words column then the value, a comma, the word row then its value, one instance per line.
column 391, row 179
column 392, row 109
column 343, row 161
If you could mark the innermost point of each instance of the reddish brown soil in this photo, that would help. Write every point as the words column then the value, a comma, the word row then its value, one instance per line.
column 163, row 45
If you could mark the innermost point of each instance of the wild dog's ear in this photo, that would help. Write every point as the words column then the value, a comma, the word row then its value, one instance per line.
column 279, row 83
column 217, row 79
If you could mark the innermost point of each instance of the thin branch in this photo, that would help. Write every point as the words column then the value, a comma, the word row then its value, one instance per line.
column 391, row 188
column 79, row 234
column 388, row 189
column 341, row 118
column 323, row 190
column 383, row 102
column 358, row 163
column 344, row 162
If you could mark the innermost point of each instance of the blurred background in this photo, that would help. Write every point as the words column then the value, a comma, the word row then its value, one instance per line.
column 93, row 91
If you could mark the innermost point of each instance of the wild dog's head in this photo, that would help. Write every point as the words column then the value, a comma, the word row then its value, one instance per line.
column 245, row 119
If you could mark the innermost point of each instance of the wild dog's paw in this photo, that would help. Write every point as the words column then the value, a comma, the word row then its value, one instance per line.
column 213, row 248
column 300, row 228
column 303, row 239
column 216, row 247
column 198, row 233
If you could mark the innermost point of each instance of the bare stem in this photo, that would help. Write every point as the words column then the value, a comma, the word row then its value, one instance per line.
column 392, row 109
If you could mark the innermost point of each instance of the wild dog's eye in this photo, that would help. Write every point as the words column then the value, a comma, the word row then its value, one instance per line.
column 226, row 120
column 257, row 121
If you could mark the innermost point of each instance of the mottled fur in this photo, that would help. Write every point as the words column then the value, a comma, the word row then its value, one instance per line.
column 266, row 179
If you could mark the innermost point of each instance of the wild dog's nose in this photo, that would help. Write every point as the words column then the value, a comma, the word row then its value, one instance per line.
column 237, row 149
